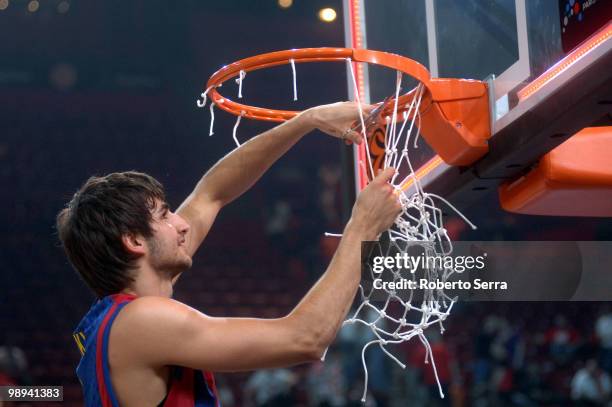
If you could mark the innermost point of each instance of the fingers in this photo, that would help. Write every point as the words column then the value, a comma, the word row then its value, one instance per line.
column 384, row 175
column 334, row 120
column 377, row 203
column 353, row 137
column 367, row 109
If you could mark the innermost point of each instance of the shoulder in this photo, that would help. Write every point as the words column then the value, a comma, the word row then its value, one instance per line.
column 150, row 311
column 143, row 306
column 147, row 326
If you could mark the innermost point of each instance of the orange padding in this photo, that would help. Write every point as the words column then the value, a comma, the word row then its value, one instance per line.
column 574, row 179
column 457, row 124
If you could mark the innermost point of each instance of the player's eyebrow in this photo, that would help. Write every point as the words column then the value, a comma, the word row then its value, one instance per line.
column 163, row 208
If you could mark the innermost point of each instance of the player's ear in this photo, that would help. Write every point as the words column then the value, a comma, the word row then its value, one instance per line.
column 135, row 244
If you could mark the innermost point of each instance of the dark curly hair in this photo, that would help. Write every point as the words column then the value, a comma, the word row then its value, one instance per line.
column 91, row 227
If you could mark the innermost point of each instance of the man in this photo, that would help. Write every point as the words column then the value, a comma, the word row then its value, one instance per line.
column 591, row 386
column 124, row 241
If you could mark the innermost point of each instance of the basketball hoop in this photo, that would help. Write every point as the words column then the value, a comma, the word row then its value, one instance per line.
column 451, row 114
column 454, row 112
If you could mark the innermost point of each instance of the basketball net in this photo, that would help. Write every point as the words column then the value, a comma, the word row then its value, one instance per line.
column 420, row 223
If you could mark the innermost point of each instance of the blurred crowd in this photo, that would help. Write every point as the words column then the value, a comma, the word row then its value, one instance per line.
column 515, row 361
column 491, row 354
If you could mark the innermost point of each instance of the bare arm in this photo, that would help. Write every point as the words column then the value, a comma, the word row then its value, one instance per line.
column 325, row 306
column 154, row 331
column 235, row 173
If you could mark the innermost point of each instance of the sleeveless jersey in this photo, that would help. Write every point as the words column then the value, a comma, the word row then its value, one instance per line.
column 186, row 387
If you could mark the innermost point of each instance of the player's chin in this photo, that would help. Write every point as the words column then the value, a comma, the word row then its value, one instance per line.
column 186, row 262
column 179, row 266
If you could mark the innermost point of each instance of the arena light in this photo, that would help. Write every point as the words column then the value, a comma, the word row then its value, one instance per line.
column 33, row 6
column 327, row 14
column 285, row 3
column 63, row 7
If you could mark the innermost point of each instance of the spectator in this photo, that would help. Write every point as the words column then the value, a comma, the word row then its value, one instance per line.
column 603, row 330
column 482, row 351
column 13, row 366
column 591, row 386
column 271, row 388
column 326, row 383
column 562, row 340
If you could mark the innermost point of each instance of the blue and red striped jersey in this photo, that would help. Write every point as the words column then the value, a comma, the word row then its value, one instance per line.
column 186, row 388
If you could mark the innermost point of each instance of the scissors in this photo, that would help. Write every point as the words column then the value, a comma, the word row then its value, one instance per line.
column 373, row 118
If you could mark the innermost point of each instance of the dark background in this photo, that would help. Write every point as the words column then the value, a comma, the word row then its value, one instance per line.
column 111, row 86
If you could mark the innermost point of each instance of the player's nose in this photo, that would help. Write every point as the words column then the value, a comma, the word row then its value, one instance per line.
column 181, row 225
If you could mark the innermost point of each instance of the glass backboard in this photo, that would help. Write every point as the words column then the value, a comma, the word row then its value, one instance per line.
column 547, row 64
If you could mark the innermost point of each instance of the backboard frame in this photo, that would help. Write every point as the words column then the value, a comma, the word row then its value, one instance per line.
column 576, row 97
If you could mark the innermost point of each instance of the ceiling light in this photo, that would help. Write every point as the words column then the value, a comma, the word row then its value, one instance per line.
column 63, row 7
column 33, row 6
column 327, row 14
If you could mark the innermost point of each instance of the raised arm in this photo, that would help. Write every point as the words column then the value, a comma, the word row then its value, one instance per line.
column 235, row 173
column 154, row 332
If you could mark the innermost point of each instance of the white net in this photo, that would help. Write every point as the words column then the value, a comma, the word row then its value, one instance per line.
column 239, row 81
column 420, row 224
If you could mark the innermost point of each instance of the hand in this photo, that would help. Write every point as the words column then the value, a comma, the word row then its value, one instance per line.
column 337, row 119
column 377, row 205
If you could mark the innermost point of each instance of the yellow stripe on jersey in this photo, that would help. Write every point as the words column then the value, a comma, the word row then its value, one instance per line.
column 79, row 338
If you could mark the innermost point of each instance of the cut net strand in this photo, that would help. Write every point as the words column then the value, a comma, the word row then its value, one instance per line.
column 239, row 81
column 295, row 96
column 234, row 131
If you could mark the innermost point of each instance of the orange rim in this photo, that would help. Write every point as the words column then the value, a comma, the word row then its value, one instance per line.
column 392, row 61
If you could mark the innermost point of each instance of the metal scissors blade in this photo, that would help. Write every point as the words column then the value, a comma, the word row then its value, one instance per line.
column 373, row 117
